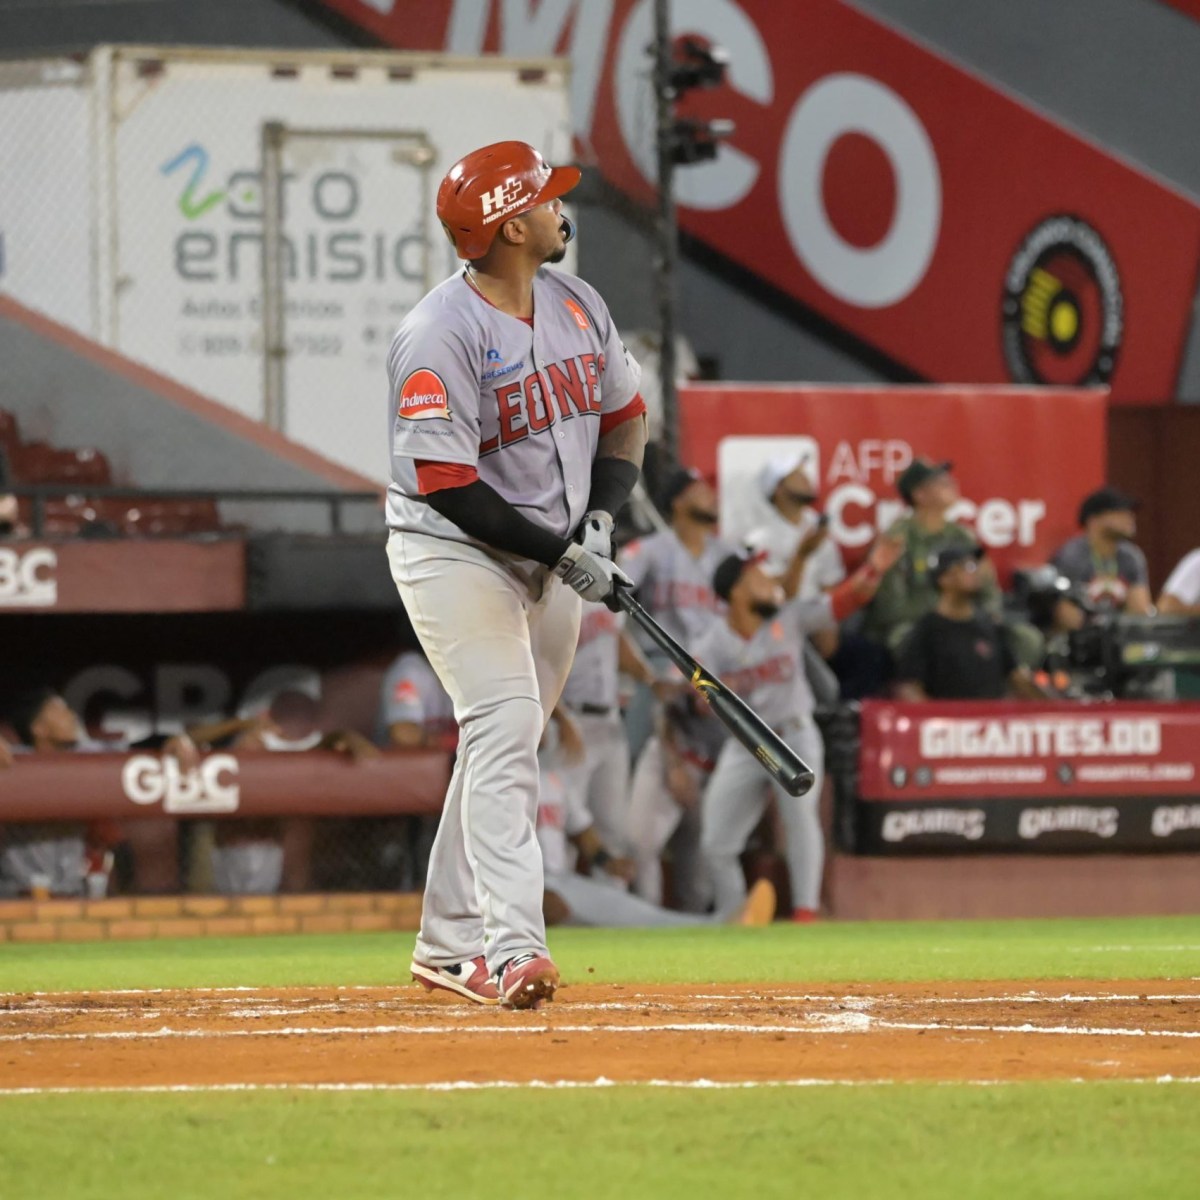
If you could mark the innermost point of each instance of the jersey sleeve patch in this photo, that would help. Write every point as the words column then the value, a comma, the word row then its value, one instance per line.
column 423, row 397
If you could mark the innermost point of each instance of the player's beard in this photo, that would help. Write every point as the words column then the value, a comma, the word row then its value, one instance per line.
column 765, row 609
column 567, row 228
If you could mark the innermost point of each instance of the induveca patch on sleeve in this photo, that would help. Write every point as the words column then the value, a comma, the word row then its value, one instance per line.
column 423, row 397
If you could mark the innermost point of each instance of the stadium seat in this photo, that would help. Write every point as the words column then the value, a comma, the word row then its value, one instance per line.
column 38, row 462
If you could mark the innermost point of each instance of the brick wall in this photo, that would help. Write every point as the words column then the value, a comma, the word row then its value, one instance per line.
column 205, row 916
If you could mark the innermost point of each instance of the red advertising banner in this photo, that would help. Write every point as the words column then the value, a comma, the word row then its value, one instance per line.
column 931, row 215
column 967, row 751
column 1023, row 457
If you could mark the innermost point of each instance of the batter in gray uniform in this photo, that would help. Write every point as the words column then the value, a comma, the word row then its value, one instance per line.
column 515, row 427
column 758, row 652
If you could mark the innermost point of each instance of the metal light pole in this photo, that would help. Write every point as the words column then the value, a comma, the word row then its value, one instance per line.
column 667, row 231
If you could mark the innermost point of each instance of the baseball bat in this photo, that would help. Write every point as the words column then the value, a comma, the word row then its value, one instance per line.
column 778, row 759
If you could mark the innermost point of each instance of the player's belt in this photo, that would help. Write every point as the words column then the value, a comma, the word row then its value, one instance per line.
column 595, row 710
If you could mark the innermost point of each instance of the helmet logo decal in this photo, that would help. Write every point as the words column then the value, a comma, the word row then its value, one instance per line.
column 502, row 199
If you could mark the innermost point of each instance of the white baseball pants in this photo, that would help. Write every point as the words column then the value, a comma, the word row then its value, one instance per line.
column 502, row 644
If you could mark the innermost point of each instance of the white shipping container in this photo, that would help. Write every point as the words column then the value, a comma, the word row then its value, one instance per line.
column 132, row 210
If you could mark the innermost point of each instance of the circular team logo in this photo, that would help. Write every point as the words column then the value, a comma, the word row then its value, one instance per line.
column 423, row 397
column 1063, row 313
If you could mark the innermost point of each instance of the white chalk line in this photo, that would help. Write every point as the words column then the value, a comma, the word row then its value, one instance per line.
column 816, row 1023
column 466, row 1085
column 895, row 998
column 301, row 1007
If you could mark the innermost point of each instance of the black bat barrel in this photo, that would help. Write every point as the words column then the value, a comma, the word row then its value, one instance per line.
column 778, row 759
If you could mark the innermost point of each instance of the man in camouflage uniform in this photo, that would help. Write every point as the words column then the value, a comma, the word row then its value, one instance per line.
column 907, row 591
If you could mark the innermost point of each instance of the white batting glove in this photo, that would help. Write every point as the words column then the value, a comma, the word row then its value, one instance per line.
column 595, row 533
column 592, row 576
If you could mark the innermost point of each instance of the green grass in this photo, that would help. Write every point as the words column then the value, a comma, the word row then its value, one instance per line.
column 1149, row 947
column 1026, row 1140
column 919, row 1140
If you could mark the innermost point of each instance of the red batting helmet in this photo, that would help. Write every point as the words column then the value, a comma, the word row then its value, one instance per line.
column 492, row 184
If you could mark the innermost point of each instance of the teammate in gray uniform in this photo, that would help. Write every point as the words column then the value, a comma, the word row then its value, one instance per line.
column 672, row 570
column 664, row 806
column 515, row 427
column 414, row 708
column 672, row 575
column 574, row 899
column 592, row 693
column 758, row 652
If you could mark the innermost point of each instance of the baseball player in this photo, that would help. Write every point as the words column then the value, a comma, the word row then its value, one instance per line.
column 574, row 899
column 516, row 428
column 758, row 652
column 672, row 570
column 672, row 575
column 664, row 805
column 591, row 693
column 414, row 708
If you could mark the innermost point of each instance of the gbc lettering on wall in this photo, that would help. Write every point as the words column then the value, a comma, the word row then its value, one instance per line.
column 27, row 579
column 212, row 787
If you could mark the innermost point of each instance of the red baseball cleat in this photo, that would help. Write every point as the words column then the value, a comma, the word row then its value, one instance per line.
column 805, row 916
column 468, row 979
column 527, row 980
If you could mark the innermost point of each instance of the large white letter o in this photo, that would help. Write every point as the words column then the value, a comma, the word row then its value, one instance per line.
column 885, row 273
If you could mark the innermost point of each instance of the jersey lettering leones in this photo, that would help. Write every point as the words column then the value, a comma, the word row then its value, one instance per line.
column 523, row 405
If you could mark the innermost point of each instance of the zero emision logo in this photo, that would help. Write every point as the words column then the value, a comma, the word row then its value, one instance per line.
column 1063, row 314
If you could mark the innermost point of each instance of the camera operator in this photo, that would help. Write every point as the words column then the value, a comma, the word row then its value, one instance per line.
column 1104, row 560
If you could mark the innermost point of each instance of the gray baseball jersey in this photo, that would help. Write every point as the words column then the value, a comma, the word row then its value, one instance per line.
column 674, row 586
column 767, row 670
column 594, row 673
column 411, row 692
column 524, row 405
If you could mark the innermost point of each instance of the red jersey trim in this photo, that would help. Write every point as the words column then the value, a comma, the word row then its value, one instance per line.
column 438, row 476
column 611, row 420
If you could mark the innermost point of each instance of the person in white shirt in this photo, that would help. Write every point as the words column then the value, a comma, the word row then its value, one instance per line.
column 787, row 486
column 1181, row 593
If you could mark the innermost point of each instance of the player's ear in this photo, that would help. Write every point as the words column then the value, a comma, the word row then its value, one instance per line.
column 513, row 231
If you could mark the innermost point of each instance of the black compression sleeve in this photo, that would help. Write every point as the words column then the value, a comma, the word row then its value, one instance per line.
column 478, row 509
column 612, row 481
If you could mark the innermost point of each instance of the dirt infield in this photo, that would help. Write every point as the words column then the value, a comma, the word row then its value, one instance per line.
column 717, row 1034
